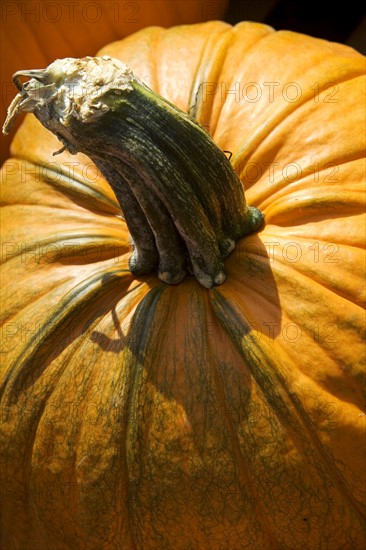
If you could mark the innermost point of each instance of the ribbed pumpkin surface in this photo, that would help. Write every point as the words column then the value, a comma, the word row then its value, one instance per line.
column 141, row 415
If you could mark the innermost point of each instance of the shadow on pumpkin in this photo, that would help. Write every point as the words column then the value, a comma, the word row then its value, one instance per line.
column 191, row 354
column 176, row 332
column 190, row 341
column 183, row 372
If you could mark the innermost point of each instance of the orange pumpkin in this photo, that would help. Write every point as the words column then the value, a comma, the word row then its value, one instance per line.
column 137, row 414
column 33, row 34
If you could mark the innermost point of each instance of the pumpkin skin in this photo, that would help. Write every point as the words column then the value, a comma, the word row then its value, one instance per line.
column 34, row 35
column 141, row 415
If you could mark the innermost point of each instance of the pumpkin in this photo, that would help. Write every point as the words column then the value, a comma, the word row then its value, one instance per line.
column 33, row 34
column 139, row 414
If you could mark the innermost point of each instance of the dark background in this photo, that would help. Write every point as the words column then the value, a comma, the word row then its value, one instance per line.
column 344, row 22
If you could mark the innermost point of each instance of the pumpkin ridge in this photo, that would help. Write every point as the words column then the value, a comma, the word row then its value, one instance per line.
column 279, row 188
column 152, row 365
column 76, row 346
column 10, row 316
column 236, row 279
column 279, row 260
column 298, row 422
column 357, row 307
column 317, row 206
column 207, row 71
column 28, row 442
column 352, row 381
column 96, row 194
column 82, row 291
column 263, row 131
column 238, row 27
column 204, row 116
column 36, row 419
column 219, row 35
column 316, row 288
column 304, row 237
column 121, row 437
column 107, row 244
column 137, row 342
column 155, row 47
column 315, row 274
column 300, row 232
column 78, row 191
column 243, row 466
column 274, row 231
column 92, row 243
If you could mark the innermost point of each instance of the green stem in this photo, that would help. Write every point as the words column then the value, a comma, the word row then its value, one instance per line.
column 183, row 202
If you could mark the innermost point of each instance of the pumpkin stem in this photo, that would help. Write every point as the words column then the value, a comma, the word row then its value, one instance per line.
column 182, row 201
